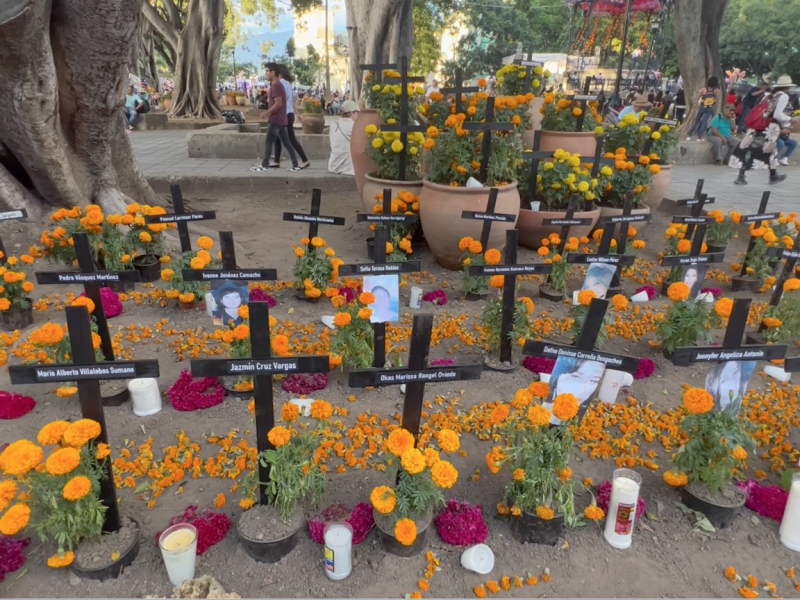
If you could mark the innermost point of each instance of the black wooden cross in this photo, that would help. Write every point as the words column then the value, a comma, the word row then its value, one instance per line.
column 509, row 269
column 488, row 217
column 8, row 216
column 229, row 270
column 757, row 219
column 732, row 348
column 566, row 222
column 535, row 156
column 181, row 217
column 416, row 375
column 92, row 281
column 381, row 267
column 599, row 159
column 695, row 257
column 696, row 204
column 487, row 127
column 314, row 219
column 404, row 127
column 378, row 65
column 262, row 366
column 458, row 89
column 87, row 372
column 529, row 65
column 583, row 99
column 583, row 347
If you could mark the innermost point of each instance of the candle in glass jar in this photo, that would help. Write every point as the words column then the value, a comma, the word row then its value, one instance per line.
column 790, row 524
column 622, row 508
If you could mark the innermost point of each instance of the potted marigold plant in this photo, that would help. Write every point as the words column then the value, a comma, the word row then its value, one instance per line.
column 555, row 287
column 634, row 174
column 722, row 230
column 191, row 294
column 475, row 288
column 238, row 339
column 540, row 498
column 559, row 181
column 454, row 157
column 314, row 268
column 560, row 126
column 147, row 238
column 297, row 480
column 491, row 323
column 59, row 498
column 760, row 260
column 686, row 321
column 16, row 307
column 403, row 513
column 354, row 340
column 400, row 234
column 511, row 82
column 715, row 450
column 313, row 119
column 782, row 322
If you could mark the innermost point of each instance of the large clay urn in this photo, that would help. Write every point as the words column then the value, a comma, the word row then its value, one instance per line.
column 659, row 187
column 374, row 187
column 440, row 208
column 358, row 142
column 583, row 143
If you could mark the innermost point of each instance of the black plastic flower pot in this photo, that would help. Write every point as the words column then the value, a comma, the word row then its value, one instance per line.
column 240, row 394
column 745, row 284
column 118, row 398
column 268, row 551
column 712, row 248
column 664, row 287
column 113, row 570
column 371, row 248
column 528, row 528
column 473, row 297
column 550, row 294
column 303, row 298
column 148, row 266
column 719, row 515
column 17, row 318
column 392, row 546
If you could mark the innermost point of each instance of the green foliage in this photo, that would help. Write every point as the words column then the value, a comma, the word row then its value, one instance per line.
column 758, row 260
column 707, row 456
column 355, row 341
column 473, row 285
column 176, row 283
column 788, row 313
column 560, row 179
column 492, row 318
column 291, row 48
column 722, row 230
column 686, row 322
column 578, row 314
column 428, row 22
column 417, row 495
column 312, row 265
column 561, row 114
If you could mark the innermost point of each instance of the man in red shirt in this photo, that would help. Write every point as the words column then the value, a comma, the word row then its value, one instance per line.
column 278, row 120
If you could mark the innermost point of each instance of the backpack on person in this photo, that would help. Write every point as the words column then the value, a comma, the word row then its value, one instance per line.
column 761, row 116
column 145, row 106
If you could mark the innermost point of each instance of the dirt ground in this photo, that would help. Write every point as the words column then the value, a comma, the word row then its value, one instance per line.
column 667, row 559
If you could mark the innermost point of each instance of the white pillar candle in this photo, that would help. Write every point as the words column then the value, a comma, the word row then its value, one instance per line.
column 790, row 524
column 145, row 397
column 622, row 508
column 640, row 297
column 416, row 298
column 778, row 373
column 179, row 550
column 338, row 550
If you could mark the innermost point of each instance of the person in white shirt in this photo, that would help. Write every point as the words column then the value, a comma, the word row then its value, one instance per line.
column 434, row 87
column 341, row 131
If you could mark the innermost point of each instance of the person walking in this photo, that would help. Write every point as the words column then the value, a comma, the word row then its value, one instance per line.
column 708, row 99
column 759, row 148
column 278, row 120
column 720, row 135
column 753, row 96
column 286, row 82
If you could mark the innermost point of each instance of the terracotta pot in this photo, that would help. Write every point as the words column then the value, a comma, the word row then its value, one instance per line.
column 607, row 211
column 440, row 215
column 241, row 100
column 230, row 101
column 358, row 142
column 165, row 104
column 313, row 123
column 374, row 186
column 659, row 187
column 531, row 230
column 583, row 143
column 536, row 122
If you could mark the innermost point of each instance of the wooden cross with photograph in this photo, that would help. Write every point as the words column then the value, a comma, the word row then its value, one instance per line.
column 262, row 366
column 314, row 219
column 378, row 66
column 383, row 223
column 92, row 281
column 691, row 268
column 529, row 65
column 9, row 215
column 509, row 270
column 181, row 217
column 416, row 375
column 487, row 127
column 488, row 217
column 404, row 127
column 535, row 156
column 88, row 372
column 580, row 369
column 229, row 270
column 696, row 205
column 583, row 99
column 458, row 90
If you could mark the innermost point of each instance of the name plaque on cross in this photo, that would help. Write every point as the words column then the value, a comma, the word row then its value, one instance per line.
column 253, row 366
column 695, row 201
column 671, row 122
column 617, row 362
column 62, row 373
column 763, row 217
column 431, row 375
column 586, row 97
column 409, row 266
column 692, row 220
column 303, row 218
column 712, row 257
column 754, row 352
column 485, row 270
column 623, row 260
column 795, row 254
column 362, row 218
column 240, row 274
column 485, row 216
column 206, row 215
column 567, row 222
column 13, row 214
column 626, row 219
column 45, row 277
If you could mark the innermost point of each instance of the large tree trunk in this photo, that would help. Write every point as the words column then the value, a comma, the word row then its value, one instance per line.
column 147, row 57
column 62, row 142
column 374, row 24
column 697, row 28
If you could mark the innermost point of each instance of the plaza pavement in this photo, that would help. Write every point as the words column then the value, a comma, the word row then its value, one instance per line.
column 163, row 157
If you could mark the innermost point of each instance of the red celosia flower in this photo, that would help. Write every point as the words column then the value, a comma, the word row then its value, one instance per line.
column 14, row 406
column 186, row 394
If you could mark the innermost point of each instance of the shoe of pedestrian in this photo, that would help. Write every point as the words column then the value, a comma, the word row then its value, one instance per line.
column 258, row 168
column 295, row 169
column 305, row 165
column 784, row 162
column 776, row 178
column 740, row 180
column 273, row 165
column 689, row 139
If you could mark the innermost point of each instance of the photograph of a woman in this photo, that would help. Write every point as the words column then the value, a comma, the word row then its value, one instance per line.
column 694, row 276
column 578, row 377
column 727, row 383
column 228, row 297
column 598, row 278
column 386, row 289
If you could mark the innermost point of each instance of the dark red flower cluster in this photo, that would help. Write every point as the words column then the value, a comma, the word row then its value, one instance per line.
column 716, row 292
column 603, row 496
column 186, row 394
column 538, row 364
column 360, row 520
column 765, row 500
column 300, row 383
column 460, row 524
column 259, row 295
column 649, row 289
column 14, row 406
column 211, row 527
column 349, row 294
column 11, row 556
column 442, row 362
column 437, row 297
column 645, row 369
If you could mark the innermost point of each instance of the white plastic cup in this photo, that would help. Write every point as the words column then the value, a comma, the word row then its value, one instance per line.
column 544, row 377
column 304, row 404
column 575, row 297
column 145, row 396
column 473, row 183
column 478, row 558
column 327, row 320
column 790, row 524
column 536, row 205
column 622, row 508
column 627, row 380
column 640, row 297
column 778, row 373
column 338, row 550
column 416, row 298
column 211, row 304
column 179, row 550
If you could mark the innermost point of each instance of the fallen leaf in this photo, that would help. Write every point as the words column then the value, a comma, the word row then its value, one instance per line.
column 565, row 546
column 646, row 527
column 652, row 517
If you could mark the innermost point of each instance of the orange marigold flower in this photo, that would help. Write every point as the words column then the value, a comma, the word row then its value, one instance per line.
column 697, row 401
column 15, row 519
column 545, row 513
column 63, row 461
column 519, row 474
column 585, row 297
column 492, row 586
column 678, row 291
column 565, row 407
column 76, row 488
column 447, row 439
column 57, row 561
column 279, row 436
column 52, row 433
column 593, row 513
column 492, row 257
column 405, row 531
column 730, row 574
column 80, row 432
column 399, row 441
column 383, row 499
column 20, row 457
